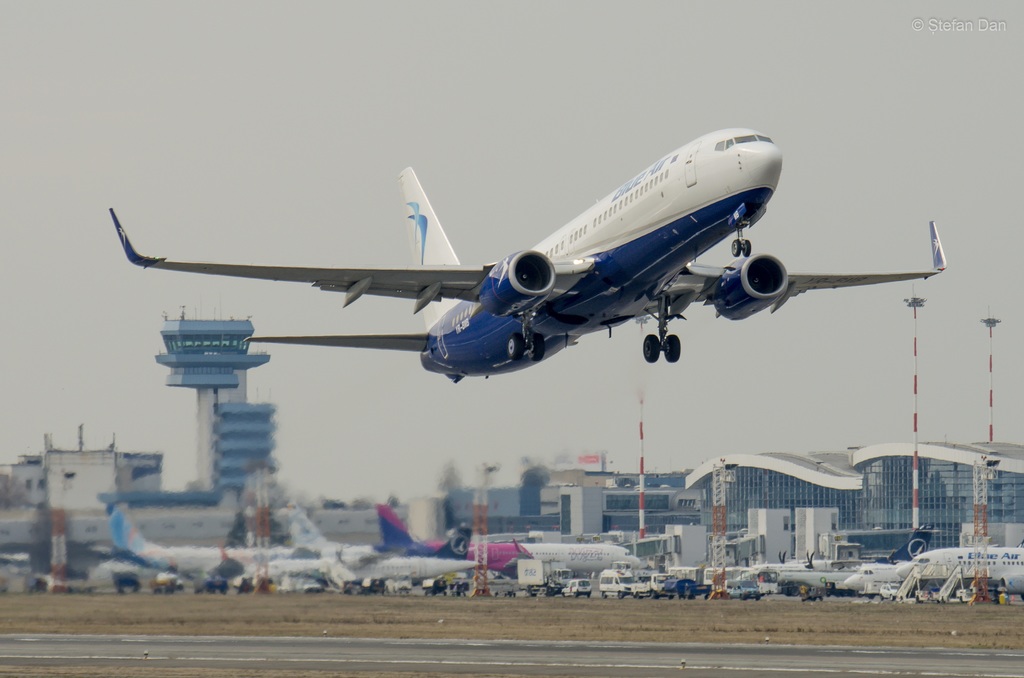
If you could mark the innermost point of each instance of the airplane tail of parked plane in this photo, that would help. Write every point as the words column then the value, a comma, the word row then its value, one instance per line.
column 430, row 246
column 129, row 544
column 918, row 543
column 395, row 537
column 304, row 533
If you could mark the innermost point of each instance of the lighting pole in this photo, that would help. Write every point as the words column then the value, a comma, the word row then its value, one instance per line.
column 990, row 322
column 915, row 303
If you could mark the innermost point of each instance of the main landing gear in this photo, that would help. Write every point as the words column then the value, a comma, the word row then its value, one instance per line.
column 526, row 343
column 663, row 342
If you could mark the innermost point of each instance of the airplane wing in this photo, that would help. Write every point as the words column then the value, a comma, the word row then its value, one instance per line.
column 422, row 284
column 697, row 282
column 391, row 342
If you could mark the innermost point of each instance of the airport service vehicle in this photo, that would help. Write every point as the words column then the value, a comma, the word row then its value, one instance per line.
column 743, row 589
column 655, row 584
column 165, row 582
column 577, row 588
column 212, row 584
column 632, row 254
column 888, row 590
column 539, row 577
column 618, row 583
column 812, row 593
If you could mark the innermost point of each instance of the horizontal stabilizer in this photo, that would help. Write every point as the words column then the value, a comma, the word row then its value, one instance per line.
column 389, row 342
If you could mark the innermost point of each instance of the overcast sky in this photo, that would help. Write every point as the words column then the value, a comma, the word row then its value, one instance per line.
column 254, row 132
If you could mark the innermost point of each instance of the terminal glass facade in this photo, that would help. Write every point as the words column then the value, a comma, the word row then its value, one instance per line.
column 947, row 496
column 757, row 488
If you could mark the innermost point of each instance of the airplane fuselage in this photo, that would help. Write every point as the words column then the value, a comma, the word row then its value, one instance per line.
column 638, row 239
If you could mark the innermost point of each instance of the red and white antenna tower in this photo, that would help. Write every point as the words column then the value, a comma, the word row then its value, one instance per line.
column 643, row 524
column 915, row 303
column 990, row 322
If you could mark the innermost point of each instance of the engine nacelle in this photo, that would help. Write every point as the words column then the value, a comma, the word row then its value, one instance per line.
column 517, row 283
column 753, row 285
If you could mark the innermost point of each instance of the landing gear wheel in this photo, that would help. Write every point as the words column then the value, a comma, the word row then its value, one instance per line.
column 746, row 248
column 537, row 354
column 652, row 348
column 737, row 247
column 673, row 348
column 516, row 346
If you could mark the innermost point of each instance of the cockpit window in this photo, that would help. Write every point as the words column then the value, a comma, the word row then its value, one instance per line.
column 746, row 139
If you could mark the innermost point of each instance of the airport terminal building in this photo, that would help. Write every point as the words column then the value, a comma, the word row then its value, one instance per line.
column 872, row 487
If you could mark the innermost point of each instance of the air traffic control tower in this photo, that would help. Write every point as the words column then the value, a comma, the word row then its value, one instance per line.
column 234, row 436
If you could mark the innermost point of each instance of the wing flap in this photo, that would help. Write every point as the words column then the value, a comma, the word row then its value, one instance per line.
column 388, row 342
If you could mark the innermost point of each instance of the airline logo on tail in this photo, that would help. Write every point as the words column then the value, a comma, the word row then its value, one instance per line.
column 421, row 227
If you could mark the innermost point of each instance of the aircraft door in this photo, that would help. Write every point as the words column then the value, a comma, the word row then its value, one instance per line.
column 690, row 167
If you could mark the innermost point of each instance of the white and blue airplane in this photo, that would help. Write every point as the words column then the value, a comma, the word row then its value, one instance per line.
column 631, row 255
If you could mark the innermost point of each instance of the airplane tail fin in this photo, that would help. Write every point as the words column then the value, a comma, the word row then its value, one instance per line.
column 430, row 246
column 128, row 540
column 938, row 256
column 457, row 546
column 394, row 536
column 303, row 531
column 917, row 544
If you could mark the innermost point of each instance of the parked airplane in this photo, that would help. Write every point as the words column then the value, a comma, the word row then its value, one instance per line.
column 356, row 563
column 131, row 547
column 586, row 558
column 631, row 255
column 850, row 575
column 869, row 577
column 1005, row 564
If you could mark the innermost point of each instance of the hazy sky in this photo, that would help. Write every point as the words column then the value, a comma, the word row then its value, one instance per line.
column 254, row 132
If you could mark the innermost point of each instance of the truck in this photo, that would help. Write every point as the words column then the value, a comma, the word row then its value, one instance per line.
column 538, row 577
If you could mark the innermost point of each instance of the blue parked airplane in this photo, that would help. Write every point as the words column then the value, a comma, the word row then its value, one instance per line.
column 631, row 255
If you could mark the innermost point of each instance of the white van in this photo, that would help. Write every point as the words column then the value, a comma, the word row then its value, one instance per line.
column 577, row 588
column 616, row 583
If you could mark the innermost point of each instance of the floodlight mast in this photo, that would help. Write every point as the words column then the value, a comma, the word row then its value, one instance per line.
column 915, row 303
column 721, row 475
column 984, row 471
column 990, row 322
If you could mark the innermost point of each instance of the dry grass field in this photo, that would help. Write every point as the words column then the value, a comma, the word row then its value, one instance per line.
column 832, row 622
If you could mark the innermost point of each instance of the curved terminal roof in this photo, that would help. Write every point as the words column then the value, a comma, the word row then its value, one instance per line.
column 828, row 469
column 1009, row 455
column 842, row 470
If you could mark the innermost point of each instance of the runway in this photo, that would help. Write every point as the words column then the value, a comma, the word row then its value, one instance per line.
column 500, row 658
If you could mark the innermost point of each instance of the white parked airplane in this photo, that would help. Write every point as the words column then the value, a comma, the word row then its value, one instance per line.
column 631, row 255
column 580, row 558
column 345, row 562
column 1005, row 564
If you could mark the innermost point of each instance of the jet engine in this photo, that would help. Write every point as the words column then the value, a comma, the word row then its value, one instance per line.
column 751, row 285
column 517, row 283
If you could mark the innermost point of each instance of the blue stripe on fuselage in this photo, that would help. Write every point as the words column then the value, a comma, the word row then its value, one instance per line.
column 471, row 342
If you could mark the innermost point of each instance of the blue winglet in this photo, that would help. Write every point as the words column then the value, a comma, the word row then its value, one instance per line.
column 938, row 256
column 133, row 256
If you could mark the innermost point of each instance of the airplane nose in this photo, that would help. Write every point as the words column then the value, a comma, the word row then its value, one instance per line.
column 903, row 571
column 762, row 163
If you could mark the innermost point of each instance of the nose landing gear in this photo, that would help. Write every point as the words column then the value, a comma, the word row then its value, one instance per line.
column 737, row 220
